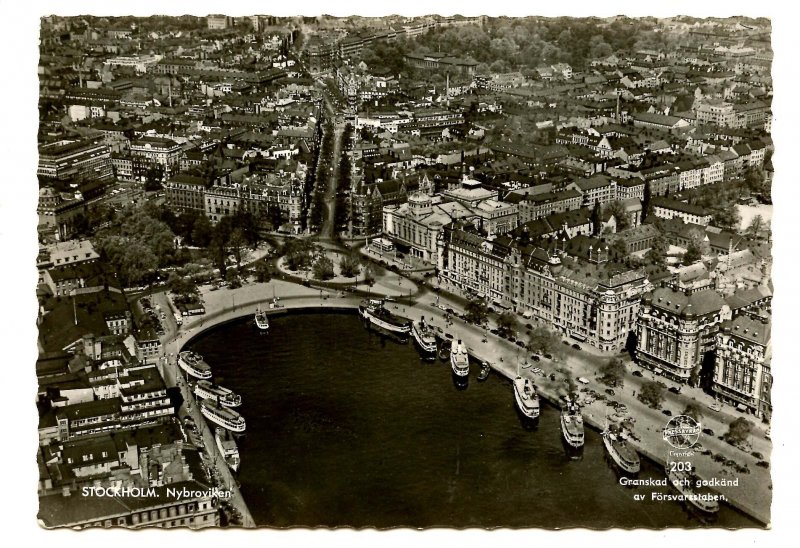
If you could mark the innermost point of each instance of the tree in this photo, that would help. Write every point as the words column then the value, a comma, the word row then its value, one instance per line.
column 299, row 253
column 476, row 311
column 275, row 216
column 507, row 324
column 617, row 209
column 727, row 217
column 646, row 200
column 202, row 231
column 754, row 228
column 693, row 253
column 370, row 274
column 232, row 277
column 264, row 271
column 754, row 179
column 652, row 394
column 350, row 265
column 738, row 431
column 236, row 242
column 543, row 341
column 693, row 410
column 323, row 268
column 658, row 252
column 597, row 220
column 618, row 249
column 138, row 261
column 612, row 372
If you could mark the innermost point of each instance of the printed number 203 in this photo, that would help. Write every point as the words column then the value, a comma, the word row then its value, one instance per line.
column 680, row 466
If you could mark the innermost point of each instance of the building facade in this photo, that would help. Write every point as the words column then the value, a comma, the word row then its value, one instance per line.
column 149, row 152
column 675, row 330
column 742, row 367
column 71, row 160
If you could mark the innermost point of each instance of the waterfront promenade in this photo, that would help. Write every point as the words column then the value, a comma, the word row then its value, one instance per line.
column 752, row 495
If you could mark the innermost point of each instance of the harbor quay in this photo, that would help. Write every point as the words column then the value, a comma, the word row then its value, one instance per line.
column 751, row 494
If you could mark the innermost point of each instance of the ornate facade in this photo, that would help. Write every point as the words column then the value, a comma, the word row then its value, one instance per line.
column 676, row 329
column 742, row 367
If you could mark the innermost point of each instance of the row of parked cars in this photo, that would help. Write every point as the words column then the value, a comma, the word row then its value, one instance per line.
column 156, row 315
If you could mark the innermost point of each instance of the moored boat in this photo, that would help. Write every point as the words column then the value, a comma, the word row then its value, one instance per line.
column 227, row 446
column 193, row 364
column 378, row 316
column 686, row 484
column 425, row 338
column 209, row 391
column 459, row 359
column 485, row 370
column 526, row 397
column 572, row 425
column 444, row 351
column 621, row 452
column 222, row 416
column 261, row 319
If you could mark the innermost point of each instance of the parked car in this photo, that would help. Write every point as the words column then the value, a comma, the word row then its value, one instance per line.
column 520, row 344
column 548, row 356
column 576, row 346
column 535, row 357
column 708, row 432
column 715, row 407
column 610, row 392
column 675, row 389
column 667, row 412
column 637, row 373
column 583, row 380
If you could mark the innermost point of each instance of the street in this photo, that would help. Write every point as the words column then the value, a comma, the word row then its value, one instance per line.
column 752, row 494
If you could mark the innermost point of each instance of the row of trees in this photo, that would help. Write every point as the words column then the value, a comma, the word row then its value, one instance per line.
column 541, row 340
column 323, row 175
column 342, row 215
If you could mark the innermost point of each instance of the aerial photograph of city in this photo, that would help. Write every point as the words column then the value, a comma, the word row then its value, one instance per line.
column 434, row 271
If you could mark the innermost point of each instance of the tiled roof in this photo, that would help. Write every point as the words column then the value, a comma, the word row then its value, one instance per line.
column 749, row 329
column 675, row 205
column 699, row 303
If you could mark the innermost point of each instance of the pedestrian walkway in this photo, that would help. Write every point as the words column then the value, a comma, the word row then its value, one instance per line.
column 753, row 493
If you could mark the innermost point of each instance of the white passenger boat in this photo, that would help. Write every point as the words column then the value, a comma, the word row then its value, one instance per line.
column 261, row 319
column 378, row 316
column 621, row 452
column 526, row 397
column 209, row 391
column 459, row 359
column 425, row 338
column 193, row 364
column 222, row 416
column 572, row 425
column 227, row 446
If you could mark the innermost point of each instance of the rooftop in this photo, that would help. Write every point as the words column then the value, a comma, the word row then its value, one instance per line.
column 699, row 303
